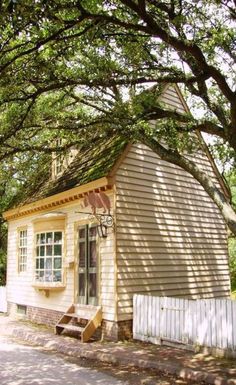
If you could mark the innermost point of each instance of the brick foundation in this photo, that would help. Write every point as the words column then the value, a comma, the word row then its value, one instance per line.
column 43, row 316
column 110, row 330
column 36, row 314
column 116, row 331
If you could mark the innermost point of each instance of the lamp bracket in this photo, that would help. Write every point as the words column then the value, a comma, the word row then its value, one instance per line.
column 103, row 219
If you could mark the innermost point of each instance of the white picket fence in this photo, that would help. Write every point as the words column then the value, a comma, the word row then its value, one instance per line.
column 3, row 299
column 205, row 322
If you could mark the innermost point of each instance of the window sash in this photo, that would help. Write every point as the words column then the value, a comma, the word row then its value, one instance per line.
column 49, row 252
column 22, row 251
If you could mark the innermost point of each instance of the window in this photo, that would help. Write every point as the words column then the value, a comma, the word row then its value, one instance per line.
column 22, row 256
column 21, row 309
column 88, row 265
column 49, row 257
column 59, row 164
column 59, row 159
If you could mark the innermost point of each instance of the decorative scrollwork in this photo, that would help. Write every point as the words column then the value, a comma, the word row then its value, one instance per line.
column 103, row 219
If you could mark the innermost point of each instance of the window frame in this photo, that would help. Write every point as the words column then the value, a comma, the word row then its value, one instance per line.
column 86, row 270
column 49, row 283
column 22, row 257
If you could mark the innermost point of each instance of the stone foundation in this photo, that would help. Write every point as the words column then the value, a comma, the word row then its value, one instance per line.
column 110, row 330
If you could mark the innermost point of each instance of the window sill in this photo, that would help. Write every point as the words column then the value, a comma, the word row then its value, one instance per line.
column 46, row 287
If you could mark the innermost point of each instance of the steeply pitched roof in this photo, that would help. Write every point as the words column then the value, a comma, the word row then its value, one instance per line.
column 93, row 161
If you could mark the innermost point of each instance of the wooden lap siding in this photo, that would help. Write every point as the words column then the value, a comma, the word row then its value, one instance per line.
column 171, row 238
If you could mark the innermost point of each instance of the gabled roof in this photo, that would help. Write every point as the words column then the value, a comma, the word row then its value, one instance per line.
column 92, row 169
column 93, row 161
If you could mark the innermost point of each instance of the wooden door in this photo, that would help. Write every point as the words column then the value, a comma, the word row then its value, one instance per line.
column 88, row 265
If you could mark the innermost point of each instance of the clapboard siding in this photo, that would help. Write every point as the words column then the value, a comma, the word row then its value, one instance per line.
column 19, row 286
column 170, row 99
column 171, row 238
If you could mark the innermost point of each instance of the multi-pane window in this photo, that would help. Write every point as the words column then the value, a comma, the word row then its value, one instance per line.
column 59, row 160
column 49, row 256
column 59, row 164
column 22, row 257
column 88, row 264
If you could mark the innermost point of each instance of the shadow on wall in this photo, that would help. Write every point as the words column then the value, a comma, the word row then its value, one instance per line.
column 171, row 238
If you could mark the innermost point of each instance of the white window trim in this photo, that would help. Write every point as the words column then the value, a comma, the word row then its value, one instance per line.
column 22, row 257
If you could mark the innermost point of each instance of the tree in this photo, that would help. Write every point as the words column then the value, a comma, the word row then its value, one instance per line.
column 81, row 69
column 21, row 175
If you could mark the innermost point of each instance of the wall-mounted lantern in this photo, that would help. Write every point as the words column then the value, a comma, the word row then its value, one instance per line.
column 105, row 221
column 102, row 230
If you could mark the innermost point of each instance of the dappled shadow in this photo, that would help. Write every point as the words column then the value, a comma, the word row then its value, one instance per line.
column 127, row 354
column 23, row 365
column 171, row 238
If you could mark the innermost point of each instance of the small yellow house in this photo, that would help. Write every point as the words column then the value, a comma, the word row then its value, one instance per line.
column 164, row 236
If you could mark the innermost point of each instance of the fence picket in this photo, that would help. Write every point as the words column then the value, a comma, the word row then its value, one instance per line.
column 229, row 325
column 233, row 324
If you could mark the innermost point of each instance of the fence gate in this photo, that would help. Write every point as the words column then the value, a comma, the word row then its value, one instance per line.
column 163, row 319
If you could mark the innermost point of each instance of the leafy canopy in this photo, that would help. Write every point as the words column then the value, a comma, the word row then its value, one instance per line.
column 84, row 69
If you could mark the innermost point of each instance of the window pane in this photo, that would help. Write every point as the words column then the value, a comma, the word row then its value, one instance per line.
column 41, row 275
column 38, row 238
column 57, row 263
column 81, row 285
column 37, row 251
column 37, row 275
column 58, row 237
column 82, row 232
column 37, row 263
column 42, row 251
column 49, row 238
column 41, row 263
column 57, row 276
column 48, row 263
column 48, row 275
column 92, row 285
column 81, row 254
column 48, row 250
column 42, row 238
column 57, row 250
column 92, row 254
column 92, row 232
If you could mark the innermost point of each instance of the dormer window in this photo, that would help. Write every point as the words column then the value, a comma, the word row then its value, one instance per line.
column 60, row 161
column 59, row 164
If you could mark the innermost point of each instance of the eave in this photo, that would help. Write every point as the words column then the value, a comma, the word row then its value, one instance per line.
column 60, row 199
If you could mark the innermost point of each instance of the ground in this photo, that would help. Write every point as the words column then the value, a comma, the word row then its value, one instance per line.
column 131, row 363
column 25, row 364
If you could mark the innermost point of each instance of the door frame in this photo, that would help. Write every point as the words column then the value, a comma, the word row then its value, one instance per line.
column 76, row 259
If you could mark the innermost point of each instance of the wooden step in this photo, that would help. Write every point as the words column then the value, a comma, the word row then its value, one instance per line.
column 93, row 314
column 86, row 311
column 72, row 315
column 72, row 328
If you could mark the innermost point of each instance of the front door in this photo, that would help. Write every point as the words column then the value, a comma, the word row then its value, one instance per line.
column 87, row 265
